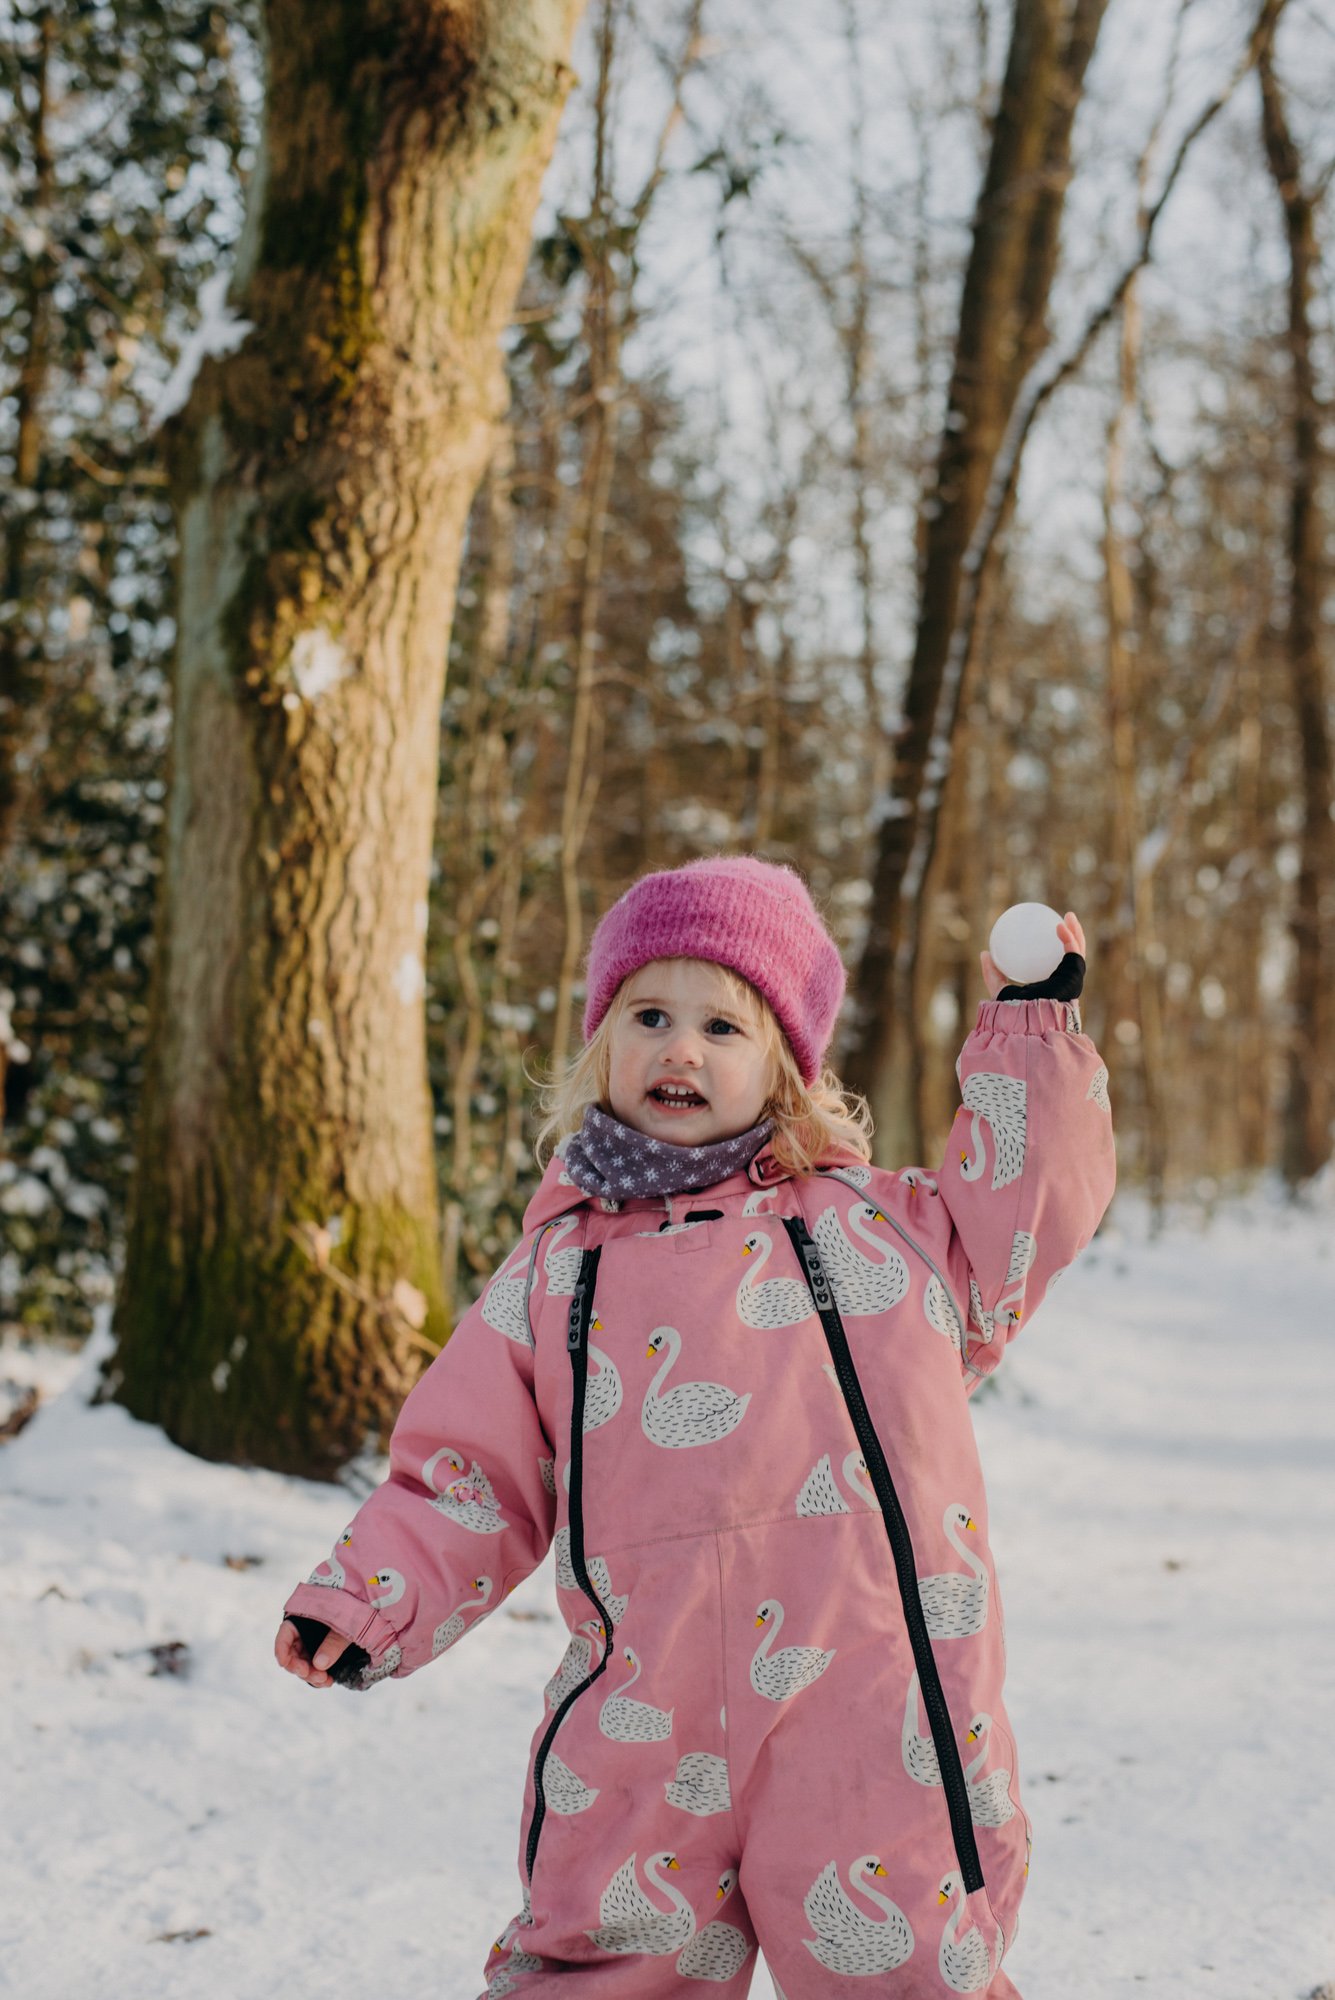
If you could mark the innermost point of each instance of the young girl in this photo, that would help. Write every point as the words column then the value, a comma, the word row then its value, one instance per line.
column 726, row 1370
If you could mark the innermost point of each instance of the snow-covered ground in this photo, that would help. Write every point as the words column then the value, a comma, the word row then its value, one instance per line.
column 1159, row 1448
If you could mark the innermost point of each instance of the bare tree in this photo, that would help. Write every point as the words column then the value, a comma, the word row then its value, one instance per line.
column 1001, row 329
column 1310, row 1096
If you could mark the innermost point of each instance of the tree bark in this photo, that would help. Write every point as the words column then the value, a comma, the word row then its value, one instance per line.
column 1310, row 1090
column 282, row 1284
column 1001, row 329
column 1131, row 966
column 22, row 694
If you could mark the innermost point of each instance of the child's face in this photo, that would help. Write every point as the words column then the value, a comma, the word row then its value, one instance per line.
column 679, row 1026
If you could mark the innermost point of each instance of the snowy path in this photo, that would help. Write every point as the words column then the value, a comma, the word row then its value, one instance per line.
column 1159, row 1454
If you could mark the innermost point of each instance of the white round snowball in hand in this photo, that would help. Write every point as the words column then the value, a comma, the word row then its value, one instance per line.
column 1024, row 943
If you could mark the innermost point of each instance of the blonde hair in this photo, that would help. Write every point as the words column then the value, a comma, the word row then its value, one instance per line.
column 812, row 1122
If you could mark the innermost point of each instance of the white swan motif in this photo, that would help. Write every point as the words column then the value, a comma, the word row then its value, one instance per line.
column 630, row 1922
column 772, row 1302
column 847, row 1939
column 562, row 1266
column 563, row 1789
column 990, row 1800
column 391, row 1586
column 469, row 1502
column 984, row 1321
column 337, row 1576
column 576, row 1662
column 943, row 1313
column 719, row 1951
column 755, row 1203
column 525, row 1917
column 701, row 1784
column 509, row 1978
column 626, row 1720
column 1024, row 1249
column 547, row 1474
column 602, row 1397
column 819, row 1494
column 598, row 1574
column 503, row 1301
column 1001, row 1101
column 919, row 1752
column 785, row 1673
column 914, row 1178
column 693, row 1412
column 1098, row 1089
column 956, row 1605
column 963, row 1962
column 452, row 1628
column 862, row 1285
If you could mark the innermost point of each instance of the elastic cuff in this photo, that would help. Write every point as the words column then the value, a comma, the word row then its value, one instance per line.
column 351, row 1617
column 1029, row 1017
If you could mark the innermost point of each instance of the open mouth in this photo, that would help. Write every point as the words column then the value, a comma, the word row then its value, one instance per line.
column 677, row 1100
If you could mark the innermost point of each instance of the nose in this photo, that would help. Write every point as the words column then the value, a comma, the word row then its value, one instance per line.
column 682, row 1047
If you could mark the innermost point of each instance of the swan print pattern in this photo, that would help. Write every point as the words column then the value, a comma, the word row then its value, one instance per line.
column 998, row 1104
column 779, row 1675
column 692, row 1412
column 469, row 1499
column 846, row 1939
column 820, row 1494
column 863, row 1285
column 452, row 1629
column 630, row 1922
column 626, row 1720
column 720, row 1950
column 956, row 1604
column 736, row 1419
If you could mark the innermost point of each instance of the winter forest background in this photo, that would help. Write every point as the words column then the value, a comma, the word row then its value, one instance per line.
column 453, row 459
column 913, row 462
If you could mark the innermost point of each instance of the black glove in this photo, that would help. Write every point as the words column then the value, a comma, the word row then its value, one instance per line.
column 1066, row 983
column 347, row 1667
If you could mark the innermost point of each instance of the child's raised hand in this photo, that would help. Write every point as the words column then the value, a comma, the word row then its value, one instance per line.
column 1070, row 934
column 291, row 1657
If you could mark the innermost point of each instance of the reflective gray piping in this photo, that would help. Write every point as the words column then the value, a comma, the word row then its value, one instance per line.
column 831, row 1175
column 532, row 1266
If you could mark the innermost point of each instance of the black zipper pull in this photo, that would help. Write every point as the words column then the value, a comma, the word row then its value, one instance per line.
column 820, row 1284
column 576, row 1334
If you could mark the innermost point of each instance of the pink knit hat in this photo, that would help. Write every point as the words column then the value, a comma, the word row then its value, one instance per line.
column 734, row 910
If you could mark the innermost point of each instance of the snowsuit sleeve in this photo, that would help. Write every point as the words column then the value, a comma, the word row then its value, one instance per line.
column 1029, row 1166
column 469, row 1507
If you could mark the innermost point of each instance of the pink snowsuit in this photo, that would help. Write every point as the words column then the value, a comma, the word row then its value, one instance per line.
column 742, row 1414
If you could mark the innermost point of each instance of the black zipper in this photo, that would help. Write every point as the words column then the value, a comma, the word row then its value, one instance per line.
column 906, row 1569
column 577, row 1345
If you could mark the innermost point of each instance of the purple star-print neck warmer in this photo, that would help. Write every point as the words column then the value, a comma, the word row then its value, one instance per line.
column 608, row 1158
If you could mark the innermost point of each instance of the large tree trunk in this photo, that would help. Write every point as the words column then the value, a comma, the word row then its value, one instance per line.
column 1310, row 1094
column 1002, row 328
column 282, row 1280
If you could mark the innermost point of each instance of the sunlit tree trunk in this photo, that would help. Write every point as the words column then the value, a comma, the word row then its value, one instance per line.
column 282, row 1283
column 1310, row 1094
column 1130, row 964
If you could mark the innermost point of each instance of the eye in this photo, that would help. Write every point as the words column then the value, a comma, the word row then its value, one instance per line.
column 643, row 1013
